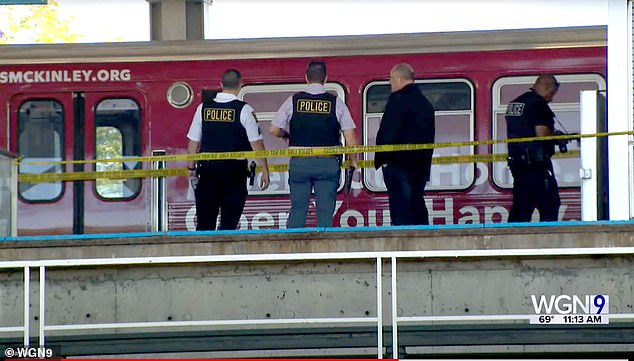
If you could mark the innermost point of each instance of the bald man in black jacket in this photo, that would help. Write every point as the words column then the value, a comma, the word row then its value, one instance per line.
column 408, row 119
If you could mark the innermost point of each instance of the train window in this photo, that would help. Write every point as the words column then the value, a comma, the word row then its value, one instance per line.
column 566, row 107
column 117, row 135
column 267, row 102
column 266, row 99
column 180, row 95
column 453, row 104
column 41, row 139
column 443, row 96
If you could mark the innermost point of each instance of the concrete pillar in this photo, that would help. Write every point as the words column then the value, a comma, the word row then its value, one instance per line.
column 619, row 110
column 178, row 19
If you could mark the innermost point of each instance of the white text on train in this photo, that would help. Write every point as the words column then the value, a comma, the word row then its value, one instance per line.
column 64, row 76
column 441, row 211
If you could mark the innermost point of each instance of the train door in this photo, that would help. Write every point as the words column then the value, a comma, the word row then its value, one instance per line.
column 51, row 128
column 567, row 109
column 594, row 157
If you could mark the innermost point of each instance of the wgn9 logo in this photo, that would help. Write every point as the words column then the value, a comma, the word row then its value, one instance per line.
column 565, row 309
column 26, row 352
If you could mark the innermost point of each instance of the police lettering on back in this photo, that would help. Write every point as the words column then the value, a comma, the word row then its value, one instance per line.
column 515, row 109
column 314, row 106
column 219, row 115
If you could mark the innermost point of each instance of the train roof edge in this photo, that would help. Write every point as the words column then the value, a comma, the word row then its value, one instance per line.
column 457, row 41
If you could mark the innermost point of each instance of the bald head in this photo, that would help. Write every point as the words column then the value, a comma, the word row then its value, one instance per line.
column 400, row 76
column 404, row 71
column 546, row 86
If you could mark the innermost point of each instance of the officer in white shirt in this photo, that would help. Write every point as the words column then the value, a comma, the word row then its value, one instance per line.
column 224, row 124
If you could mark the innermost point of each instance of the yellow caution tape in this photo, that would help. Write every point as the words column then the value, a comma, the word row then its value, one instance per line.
column 141, row 173
column 321, row 151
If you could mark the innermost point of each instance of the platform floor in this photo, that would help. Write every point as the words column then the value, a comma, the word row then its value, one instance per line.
column 320, row 240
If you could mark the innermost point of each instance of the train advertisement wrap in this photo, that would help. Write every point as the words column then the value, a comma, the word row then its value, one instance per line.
column 69, row 106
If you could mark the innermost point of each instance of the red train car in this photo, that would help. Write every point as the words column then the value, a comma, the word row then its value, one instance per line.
column 96, row 101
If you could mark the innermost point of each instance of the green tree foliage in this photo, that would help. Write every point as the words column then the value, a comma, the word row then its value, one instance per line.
column 35, row 24
column 109, row 144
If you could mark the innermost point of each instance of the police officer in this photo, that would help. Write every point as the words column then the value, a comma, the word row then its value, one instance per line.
column 314, row 118
column 534, row 183
column 223, row 124
column 408, row 119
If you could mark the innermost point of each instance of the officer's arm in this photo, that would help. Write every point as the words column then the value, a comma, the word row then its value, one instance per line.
column 538, row 115
column 280, row 121
column 192, row 148
column 265, row 179
column 278, row 132
column 542, row 131
column 195, row 132
column 351, row 140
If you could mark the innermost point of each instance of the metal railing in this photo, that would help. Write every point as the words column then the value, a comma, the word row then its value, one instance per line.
column 376, row 257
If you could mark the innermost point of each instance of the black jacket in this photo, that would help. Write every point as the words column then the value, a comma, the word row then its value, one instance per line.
column 408, row 119
column 522, row 115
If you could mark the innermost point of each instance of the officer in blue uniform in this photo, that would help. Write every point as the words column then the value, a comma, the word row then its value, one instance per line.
column 534, row 183
column 314, row 118
column 223, row 124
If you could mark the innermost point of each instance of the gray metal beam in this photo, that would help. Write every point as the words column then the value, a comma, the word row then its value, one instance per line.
column 178, row 19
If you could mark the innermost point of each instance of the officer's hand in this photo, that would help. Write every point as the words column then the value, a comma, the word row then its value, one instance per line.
column 353, row 162
column 286, row 135
column 265, row 180
column 193, row 179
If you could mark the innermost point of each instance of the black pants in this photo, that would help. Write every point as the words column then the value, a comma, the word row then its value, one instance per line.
column 534, row 186
column 406, row 188
column 221, row 187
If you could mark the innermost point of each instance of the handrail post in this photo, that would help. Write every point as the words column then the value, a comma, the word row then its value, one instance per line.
column 27, row 301
column 394, row 311
column 379, row 306
column 42, row 314
column 159, row 202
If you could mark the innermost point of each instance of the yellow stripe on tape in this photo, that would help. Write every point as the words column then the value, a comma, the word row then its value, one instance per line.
column 274, row 167
column 320, row 151
column 121, row 174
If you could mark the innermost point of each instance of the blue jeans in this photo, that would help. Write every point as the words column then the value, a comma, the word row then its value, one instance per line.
column 406, row 188
column 306, row 173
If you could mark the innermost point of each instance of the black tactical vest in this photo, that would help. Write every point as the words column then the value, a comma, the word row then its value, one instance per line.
column 518, row 125
column 314, row 121
column 221, row 127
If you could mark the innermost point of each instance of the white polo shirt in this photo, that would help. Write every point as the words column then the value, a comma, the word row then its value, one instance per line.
column 247, row 119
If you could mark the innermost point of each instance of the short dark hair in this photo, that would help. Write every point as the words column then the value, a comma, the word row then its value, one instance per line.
column 316, row 71
column 231, row 79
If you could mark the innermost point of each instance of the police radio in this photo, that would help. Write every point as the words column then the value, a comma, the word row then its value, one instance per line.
column 348, row 180
column 347, row 185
